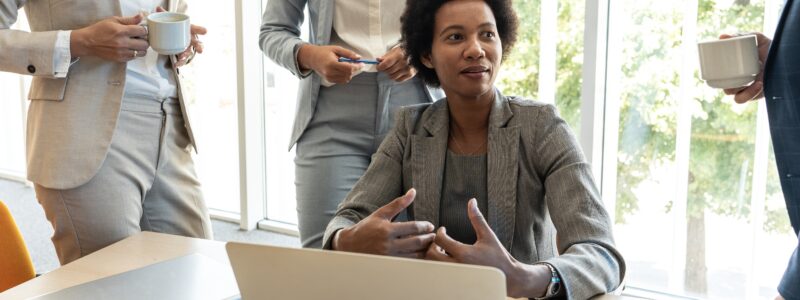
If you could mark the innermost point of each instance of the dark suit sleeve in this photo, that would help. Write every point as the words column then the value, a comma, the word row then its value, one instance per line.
column 380, row 184
column 790, row 284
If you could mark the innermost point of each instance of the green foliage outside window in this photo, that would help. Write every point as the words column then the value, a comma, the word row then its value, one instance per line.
column 723, row 132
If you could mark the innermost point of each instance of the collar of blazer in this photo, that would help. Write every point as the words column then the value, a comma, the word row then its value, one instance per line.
column 429, row 150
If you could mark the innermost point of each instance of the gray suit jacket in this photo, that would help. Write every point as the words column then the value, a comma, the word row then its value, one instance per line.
column 70, row 120
column 538, row 182
column 280, row 41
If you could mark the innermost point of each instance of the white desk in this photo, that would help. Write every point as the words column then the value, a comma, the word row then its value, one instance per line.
column 137, row 251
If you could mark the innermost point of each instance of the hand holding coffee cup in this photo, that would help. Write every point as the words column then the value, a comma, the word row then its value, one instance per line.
column 174, row 35
column 735, row 64
column 729, row 63
column 755, row 90
column 168, row 32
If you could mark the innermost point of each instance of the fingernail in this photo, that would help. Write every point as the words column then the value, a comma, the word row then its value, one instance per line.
column 474, row 205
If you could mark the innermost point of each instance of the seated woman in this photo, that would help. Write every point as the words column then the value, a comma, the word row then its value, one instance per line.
column 479, row 153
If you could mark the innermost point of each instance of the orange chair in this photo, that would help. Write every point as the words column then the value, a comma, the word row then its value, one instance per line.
column 15, row 262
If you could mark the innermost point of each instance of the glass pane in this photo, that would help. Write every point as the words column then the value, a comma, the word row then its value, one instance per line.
column 211, row 81
column 727, row 253
column 644, row 59
column 521, row 70
column 280, row 94
column 12, row 153
column 12, row 116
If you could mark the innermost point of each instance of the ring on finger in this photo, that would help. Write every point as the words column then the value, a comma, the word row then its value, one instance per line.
column 135, row 53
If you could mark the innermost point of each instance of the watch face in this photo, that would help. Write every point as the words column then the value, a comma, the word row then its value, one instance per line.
column 553, row 288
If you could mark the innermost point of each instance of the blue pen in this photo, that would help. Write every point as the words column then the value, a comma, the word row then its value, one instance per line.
column 363, row 61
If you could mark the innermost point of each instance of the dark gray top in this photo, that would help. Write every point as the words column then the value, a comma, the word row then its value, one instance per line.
column 464, row 179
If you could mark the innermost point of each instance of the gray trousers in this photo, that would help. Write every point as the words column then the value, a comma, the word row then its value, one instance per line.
column 349, row 123
column 147, row 182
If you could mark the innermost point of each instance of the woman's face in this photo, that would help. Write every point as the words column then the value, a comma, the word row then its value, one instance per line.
column 466, row 50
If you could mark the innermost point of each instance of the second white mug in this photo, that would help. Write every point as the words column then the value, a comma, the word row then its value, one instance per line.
column 169, row 33
column 729, row 63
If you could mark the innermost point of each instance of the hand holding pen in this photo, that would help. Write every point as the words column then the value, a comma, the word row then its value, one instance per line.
column 324, row 60
column 393, row 63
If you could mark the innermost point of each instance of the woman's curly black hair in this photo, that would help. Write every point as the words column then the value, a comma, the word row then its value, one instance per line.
column 417, row 31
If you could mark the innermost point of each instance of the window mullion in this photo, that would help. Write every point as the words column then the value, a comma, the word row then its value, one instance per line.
column 594, row 79
column 252, row 138
column 547, row 51
column 683, row 143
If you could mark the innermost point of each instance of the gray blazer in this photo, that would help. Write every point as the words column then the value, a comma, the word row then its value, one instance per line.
column 70, row 120
column 280, row 41
column 538, row 182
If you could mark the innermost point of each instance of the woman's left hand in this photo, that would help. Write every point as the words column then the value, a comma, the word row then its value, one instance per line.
column 395, row 64
column 195, row 47
column 487, row 250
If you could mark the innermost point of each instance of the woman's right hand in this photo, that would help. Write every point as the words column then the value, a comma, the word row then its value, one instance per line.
column 325, row 61
column 116, row 39
column 755, row 90
column 377, row 234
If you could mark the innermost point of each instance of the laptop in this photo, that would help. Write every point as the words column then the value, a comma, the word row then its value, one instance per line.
column 268, row 272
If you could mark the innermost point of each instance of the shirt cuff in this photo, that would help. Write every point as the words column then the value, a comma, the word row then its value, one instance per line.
column 62, row 58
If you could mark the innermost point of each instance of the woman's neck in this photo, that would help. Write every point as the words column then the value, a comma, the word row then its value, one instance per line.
column 470, row 115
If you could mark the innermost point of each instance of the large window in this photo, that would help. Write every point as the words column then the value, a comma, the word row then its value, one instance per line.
column 280, row 95
column 13, row 107
column 211, row 82
column 699, row 210
column 546, row 62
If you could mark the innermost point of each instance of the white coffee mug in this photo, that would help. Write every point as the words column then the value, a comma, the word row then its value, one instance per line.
column 729, row 63
column 169, row 32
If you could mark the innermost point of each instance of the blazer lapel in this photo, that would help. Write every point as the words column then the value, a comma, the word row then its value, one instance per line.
column 502, row 170
column 428, row 156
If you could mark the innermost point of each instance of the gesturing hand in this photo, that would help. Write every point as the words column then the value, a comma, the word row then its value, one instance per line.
column 116, row 39
column 395, row 64
column 487, row 251
column 377, row 234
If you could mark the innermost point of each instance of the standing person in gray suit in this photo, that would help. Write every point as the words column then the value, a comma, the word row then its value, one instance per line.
column 344, row 109
column 779, row 81
column 108, row 138
column 479, row 153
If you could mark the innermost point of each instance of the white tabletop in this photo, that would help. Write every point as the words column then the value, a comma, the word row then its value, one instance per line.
column 134, row 252
column 137, row 251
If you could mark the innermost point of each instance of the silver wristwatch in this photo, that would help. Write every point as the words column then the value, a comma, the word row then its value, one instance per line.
column 555, row 283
